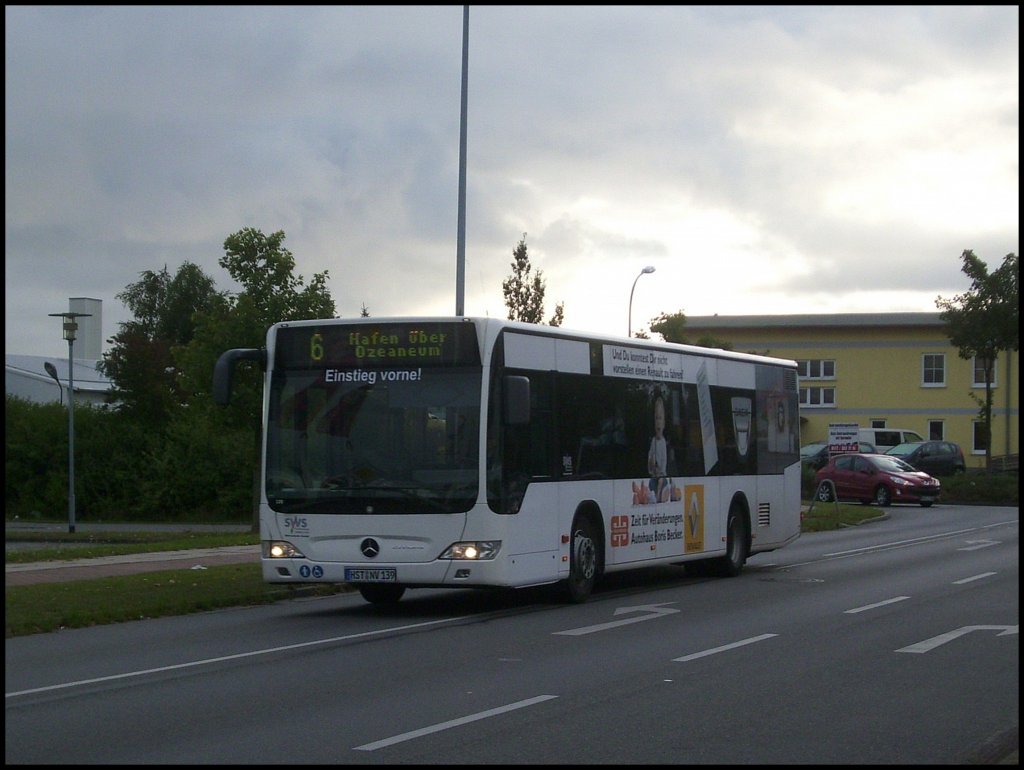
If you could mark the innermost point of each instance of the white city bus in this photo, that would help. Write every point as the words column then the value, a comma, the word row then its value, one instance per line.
column 405, row 452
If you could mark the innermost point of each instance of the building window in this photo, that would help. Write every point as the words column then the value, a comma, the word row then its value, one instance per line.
column 936, row 430
column 979, row 372
column 821, row 398
column 978, row 442
column 877, row 423
column 816, row 369
column 933, row 370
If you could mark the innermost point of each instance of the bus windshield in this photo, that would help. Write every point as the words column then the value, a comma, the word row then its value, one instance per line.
column 373, row 446
column 376, row 419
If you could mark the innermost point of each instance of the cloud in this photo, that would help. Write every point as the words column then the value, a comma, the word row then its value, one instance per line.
column 764, row 159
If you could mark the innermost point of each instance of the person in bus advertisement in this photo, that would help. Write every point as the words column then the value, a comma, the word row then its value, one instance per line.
column 660, row 464
column 657, row 455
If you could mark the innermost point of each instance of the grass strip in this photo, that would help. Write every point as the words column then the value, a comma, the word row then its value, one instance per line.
column 88, row 545
column 53, row 606
column 826, row 516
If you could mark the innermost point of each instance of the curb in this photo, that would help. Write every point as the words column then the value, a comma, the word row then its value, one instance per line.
column 33, row 573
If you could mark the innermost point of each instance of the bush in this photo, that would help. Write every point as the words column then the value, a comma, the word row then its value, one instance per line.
column 807, row 485
column 200, row 471
column 35, row 458
column 111, row 463
column 191, row 470
column 982, row 487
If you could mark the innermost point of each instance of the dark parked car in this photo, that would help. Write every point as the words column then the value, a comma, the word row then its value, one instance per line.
column 875, row 478
column 815, row 455
column 939, row 458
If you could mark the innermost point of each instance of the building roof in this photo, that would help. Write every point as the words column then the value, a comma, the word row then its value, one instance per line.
column 86, row 376
column 832, row 320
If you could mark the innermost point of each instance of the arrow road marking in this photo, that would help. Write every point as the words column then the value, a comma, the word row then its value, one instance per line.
column 653, row 610
column 930, row 644
column 977, row 545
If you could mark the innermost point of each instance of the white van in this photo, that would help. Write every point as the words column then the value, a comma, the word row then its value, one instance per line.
column 885, row 439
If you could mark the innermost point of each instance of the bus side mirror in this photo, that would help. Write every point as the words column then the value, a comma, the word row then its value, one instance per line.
column 224, row 370
column 517, row 400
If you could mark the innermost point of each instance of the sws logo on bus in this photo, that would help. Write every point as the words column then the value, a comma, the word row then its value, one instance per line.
column 296, row 525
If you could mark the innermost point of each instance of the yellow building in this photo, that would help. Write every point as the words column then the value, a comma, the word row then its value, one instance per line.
column 885, row 370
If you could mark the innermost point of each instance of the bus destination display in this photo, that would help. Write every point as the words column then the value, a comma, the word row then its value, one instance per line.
column 384, row 345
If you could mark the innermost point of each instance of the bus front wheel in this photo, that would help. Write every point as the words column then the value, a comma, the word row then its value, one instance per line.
column 583, row 561
column 382, row 594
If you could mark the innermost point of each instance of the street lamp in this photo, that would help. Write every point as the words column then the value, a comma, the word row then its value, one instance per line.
column 648, row 269
column 52, row 371
column 70, row 327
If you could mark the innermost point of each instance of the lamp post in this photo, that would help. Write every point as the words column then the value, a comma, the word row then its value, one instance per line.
column 648, row 269
column 70, row 327
column 52, row 371
column 460, row 246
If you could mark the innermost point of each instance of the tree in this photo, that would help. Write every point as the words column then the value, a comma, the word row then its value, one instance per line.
column 671, row 328
column 984, row 321
column 524, row 295
column 163, row 305
column 271, row 292
column 265, row 269
column 140, row 361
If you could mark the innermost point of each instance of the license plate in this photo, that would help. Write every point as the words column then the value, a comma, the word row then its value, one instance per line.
column 360, row 575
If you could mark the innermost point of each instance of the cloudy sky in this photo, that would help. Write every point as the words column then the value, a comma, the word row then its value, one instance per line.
column 763, row 159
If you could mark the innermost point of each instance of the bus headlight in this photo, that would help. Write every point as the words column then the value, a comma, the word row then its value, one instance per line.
column 280, row 549
column 472, row 551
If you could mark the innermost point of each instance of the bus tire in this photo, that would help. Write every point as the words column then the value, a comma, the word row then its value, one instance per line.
column 584, row 561
column 382, row 594
column 737, row 545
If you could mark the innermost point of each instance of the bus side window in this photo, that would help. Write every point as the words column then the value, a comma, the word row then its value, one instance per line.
column 517, row 400
column 543, row 452
column 513, row 451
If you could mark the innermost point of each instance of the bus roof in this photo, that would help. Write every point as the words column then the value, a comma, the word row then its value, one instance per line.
column 496, row 325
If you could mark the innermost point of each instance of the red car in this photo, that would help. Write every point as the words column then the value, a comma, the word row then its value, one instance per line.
column 875, row 478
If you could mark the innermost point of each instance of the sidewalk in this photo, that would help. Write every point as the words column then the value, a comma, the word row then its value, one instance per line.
column 32, row 573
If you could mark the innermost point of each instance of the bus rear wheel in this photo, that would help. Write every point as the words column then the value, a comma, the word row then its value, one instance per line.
column 382, row 594
column 737, row 546
column 584, row 561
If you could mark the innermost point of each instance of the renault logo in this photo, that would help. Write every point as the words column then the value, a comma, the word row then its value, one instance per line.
column 369, row 548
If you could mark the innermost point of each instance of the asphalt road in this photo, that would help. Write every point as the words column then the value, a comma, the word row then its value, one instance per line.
column 889, row 643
